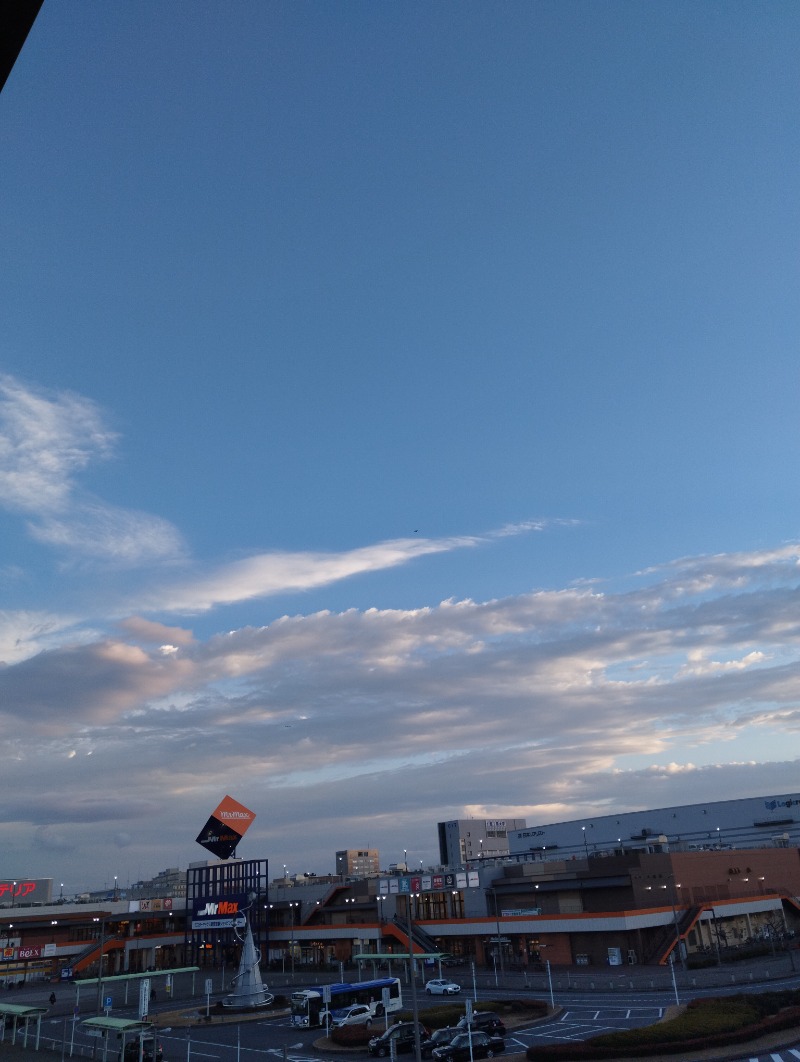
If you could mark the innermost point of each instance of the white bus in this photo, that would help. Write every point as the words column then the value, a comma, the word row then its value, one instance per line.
column 308, row 1005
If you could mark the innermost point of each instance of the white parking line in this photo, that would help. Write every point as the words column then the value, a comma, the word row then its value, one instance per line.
column 290, row 1058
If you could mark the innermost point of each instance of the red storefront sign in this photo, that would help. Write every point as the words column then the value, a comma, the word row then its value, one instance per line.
column 15, row 889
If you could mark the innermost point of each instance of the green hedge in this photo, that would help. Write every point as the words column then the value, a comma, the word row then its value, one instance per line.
column 354, row 1035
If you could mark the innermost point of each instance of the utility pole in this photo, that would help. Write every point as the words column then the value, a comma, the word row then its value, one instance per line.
column 414, row 1002
column 99, row 1007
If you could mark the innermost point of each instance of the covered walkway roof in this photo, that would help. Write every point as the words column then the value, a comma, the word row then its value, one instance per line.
column 16, row 1010
column 116, row 978
column 21, row 1015
column 120, row 1025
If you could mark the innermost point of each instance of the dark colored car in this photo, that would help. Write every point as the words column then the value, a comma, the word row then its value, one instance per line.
column 132, row 1051
column 438, row 1038
column 483, row 1045
column 401, row 1035
column 485, row 1021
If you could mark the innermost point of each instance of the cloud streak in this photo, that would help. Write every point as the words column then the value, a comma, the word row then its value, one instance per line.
column 268, row 574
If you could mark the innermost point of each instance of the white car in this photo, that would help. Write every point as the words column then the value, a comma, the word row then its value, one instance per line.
column 355, row 1014
column 440, row 987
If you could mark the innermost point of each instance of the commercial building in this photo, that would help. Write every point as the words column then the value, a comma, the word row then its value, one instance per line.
column 357, row 863
column 626, row 907
column 463, row 840
column 655, row 886
column 749, row 822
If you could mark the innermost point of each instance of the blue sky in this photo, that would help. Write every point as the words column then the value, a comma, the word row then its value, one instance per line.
column 397, row 421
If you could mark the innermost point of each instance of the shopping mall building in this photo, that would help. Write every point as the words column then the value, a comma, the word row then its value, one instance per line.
column 636, row 894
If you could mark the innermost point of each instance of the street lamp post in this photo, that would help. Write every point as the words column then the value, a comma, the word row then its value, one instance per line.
column 292, row 905
column 499, row 940
column 676, row 926
column 99, row 1006
column 678, row 942
column 414, row 1001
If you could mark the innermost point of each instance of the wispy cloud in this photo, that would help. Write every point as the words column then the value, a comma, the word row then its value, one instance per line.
column 24, row 633
column 46, row 442
column 273, row 573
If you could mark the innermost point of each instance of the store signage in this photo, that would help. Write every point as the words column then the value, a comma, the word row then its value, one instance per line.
column 219, row 913
column 225, row 828
column 33, row 890
column 163, row 903
column 403, row 885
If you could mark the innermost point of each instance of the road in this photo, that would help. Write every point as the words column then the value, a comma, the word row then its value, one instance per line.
column 590, row 1004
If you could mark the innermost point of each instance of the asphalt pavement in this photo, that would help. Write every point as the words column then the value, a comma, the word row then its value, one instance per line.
column 560, row 981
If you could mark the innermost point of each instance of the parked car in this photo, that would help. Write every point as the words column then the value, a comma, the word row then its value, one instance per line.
column 148, row 1054
column 355, row 1014
column 401, row 1035
column 440, row 986
column 438, row 1038
column 485, row 1021
column 460, row 1049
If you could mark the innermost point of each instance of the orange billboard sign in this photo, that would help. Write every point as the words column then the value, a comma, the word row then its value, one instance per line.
column 228, row 823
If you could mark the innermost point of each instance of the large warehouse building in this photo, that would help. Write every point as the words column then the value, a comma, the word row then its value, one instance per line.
column 751, row 822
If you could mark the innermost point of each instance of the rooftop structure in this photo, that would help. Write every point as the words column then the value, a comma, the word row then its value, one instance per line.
column 749, row 822
column 464, row 840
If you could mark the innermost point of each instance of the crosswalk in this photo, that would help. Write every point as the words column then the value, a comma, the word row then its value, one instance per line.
column 788, row 1054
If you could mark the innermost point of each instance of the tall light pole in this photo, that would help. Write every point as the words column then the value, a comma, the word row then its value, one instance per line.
column 499, row 939
column 414, row 1002
column 102, row 922
column 292, row 905
column 678, row 943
